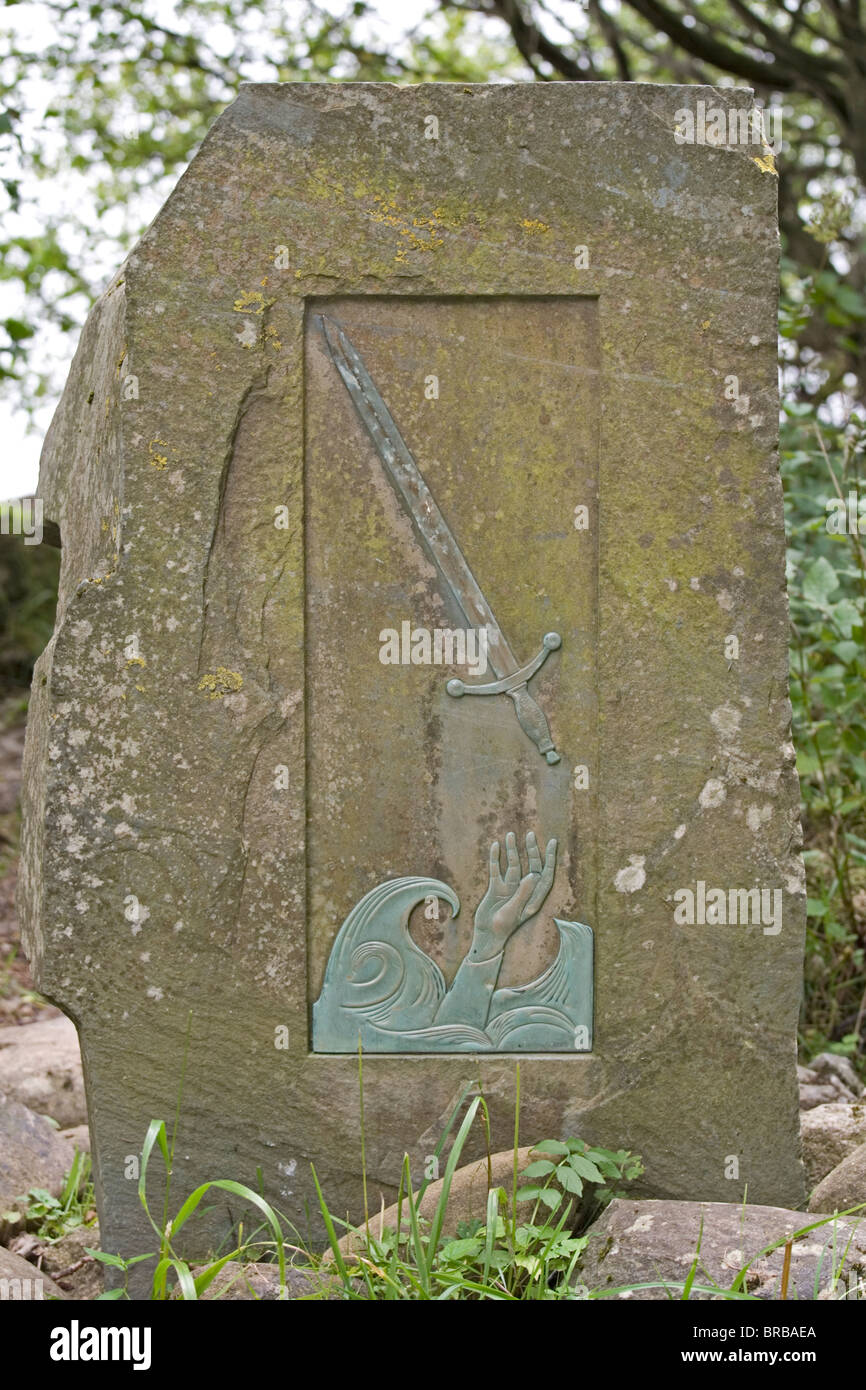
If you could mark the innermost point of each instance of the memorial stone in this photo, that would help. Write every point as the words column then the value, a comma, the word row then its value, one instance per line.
column 419, row 678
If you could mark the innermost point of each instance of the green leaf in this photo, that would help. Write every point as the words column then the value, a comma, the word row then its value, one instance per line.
column 569, row 1179
column 18, row 330
column 848, row 652
column 820, row 582
column 550, row 1146
column 541, row 1169
column 846, row 616
column 461, row 1249
column 529, row 1194
column 105, row 1259
column 550, row 1197
column 585, row 1168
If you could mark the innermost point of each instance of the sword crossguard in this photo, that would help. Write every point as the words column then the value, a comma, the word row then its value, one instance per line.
column 530, row 715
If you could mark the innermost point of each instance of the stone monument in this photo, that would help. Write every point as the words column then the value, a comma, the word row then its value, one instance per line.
column 419, row 678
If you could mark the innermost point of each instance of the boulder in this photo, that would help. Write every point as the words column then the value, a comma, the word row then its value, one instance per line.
column 828, row 1078
column 22, row 1282
column 467, row 1200
column 79, row 1137
column 262, row 1281
column 812, row 1095
column 40, row 1066
column 654, row 1242
column 844, row 1186
column 32, row 1154
column 829, row 1134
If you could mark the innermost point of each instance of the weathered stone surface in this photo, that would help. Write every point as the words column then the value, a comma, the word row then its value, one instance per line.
column 32, row 1154
column 830, row 1133
column 218, row 765
column 259, row 1281
column 79, row 1136
column 40, row 1065
column 844, row 1186
column 21, row 1282
column 655, row 1243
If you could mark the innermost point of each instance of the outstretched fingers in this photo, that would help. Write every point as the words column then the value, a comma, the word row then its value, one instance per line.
column 495, row 872
column 541, row 882
column 513, row 872
column 533, row 853
column 549, row 864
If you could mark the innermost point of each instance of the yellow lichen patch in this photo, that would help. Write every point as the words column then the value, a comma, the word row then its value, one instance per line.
column 420, row 233
column 136, row 661
column 220, row 682
column 766, row 163
column 251, row 302
column 271, row 337
column 534, row 227
column 157, row 459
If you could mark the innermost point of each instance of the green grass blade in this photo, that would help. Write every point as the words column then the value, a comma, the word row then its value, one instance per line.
column 423, row 1258
column 494, row 1196
column 332, row 1234
column 450, row 1167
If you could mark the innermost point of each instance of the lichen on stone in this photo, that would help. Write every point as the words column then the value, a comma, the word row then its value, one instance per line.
column 220, row 682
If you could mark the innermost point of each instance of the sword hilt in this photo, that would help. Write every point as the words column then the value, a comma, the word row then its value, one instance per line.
column 533, row 722
column 530, row 715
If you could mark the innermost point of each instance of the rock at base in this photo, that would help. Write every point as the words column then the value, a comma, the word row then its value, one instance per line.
column 655, row 1242
column 40, row 1066
column 237, row 1281
column 21, row 1282
column 844, row 1187
column 830, row 1133
column 32, row 1154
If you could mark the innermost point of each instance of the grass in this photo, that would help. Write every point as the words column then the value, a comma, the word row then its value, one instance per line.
column 509, row 1255
column 51, row 1218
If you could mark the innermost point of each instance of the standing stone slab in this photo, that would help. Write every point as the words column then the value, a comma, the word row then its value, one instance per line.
column 571, row 318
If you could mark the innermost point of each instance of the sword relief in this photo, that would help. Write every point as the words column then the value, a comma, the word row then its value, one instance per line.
column 440, row 545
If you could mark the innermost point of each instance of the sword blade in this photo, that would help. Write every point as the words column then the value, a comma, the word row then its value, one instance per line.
column 418, row 501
